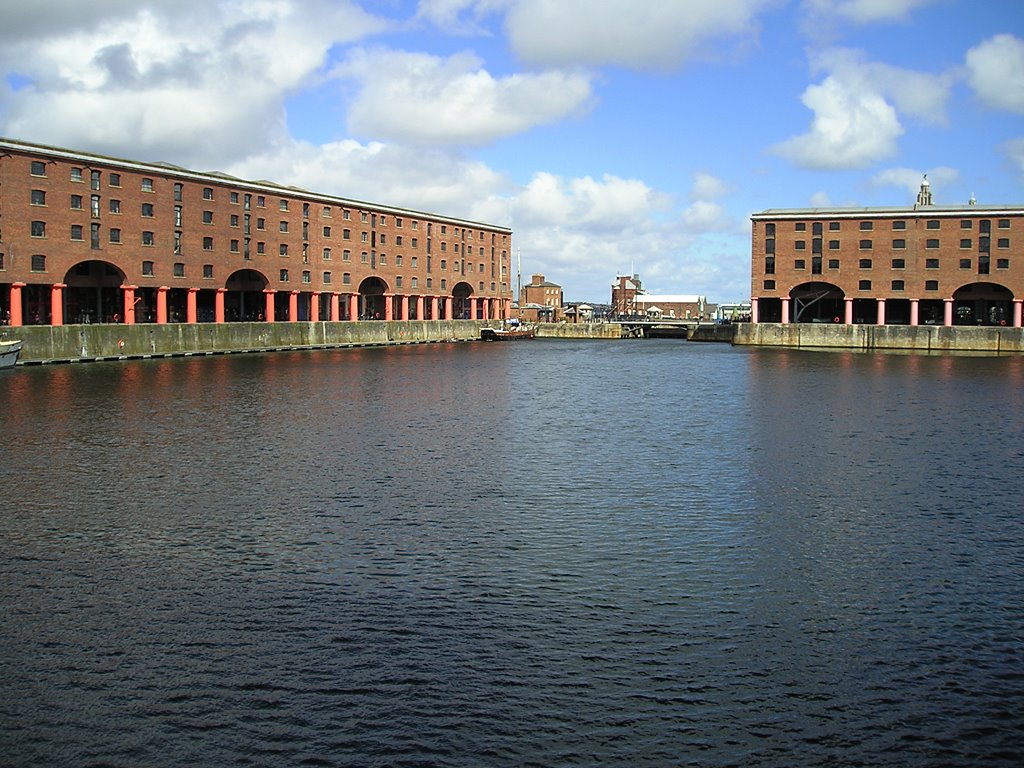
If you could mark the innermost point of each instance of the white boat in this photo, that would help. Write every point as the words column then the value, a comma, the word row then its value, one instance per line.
column 9, row 351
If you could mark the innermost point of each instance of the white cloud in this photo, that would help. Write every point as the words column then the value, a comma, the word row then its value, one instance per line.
column 707, row 186
column 995, row 70
column 851, row 128
column 645, row 35
column 865, row 11
column 857, row 107
column 820, row 200
column 421, row 98
column 201, row 83
column 1014, row 150
column 910, row 179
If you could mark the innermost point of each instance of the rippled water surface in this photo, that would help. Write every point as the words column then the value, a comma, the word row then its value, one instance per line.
column 642, row 553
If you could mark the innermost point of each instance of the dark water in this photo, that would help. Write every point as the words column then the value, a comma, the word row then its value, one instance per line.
column 551, row 553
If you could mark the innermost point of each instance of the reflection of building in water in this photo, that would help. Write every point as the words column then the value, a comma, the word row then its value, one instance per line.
column 87, row 238
column 912, row 265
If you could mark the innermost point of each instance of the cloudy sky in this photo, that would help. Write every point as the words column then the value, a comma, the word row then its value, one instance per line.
column 613, row 136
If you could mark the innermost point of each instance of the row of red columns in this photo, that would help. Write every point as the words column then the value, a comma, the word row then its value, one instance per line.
column 493, row 309
column 947, row 315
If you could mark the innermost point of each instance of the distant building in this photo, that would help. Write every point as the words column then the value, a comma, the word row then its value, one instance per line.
column 630, row 300
column 924, row 264
column 540, row 301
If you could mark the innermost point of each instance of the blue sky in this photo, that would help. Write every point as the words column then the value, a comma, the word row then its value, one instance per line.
column 611, row 135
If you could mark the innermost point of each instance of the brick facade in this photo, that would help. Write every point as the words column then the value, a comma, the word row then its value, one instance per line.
column 86, row 238
column 926, row 264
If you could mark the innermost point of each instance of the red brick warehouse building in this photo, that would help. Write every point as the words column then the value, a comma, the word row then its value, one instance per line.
column 924, row 264
column 86, row 238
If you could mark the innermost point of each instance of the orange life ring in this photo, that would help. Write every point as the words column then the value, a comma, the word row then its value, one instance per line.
column 1002, row 322
column 835, row 319
column 120, row 343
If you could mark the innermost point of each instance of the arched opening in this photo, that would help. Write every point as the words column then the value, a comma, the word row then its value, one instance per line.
column 983, row 304
column 245, row 300
column 372, row 299
column 93, row 293
column 461, row 293
column 816, row 303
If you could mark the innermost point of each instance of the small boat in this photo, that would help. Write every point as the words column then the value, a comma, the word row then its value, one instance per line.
column 514, row 333
column 9, row 351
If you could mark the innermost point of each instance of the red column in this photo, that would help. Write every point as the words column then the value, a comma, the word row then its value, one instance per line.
column 448, row 301
column 389, row 306
column 16, row 308
column 785, row 310
column 472, row 308
column 218, row 306
column 57, row 303
column 508, row 309
column 433, row 308
column 314, row 307
column 161, row 304
column 753, row 309
column 419, row 307
column 405, row 307
column 191, row 315
column 353, row 306
column 293, row 306
column 881, row 312
column 268, row 304
column 914, row 317
column 335, row 307
column 848, row 311
column 947, row 315
column 129, row 304
column 1017, row 319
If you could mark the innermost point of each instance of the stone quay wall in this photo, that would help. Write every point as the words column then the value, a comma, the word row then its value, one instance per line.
column 81, row 343
column 915, row 338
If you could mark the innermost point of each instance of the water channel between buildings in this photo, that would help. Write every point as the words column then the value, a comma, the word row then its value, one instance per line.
column 544, row 553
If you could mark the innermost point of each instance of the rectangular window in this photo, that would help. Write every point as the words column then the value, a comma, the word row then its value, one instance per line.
column 865, row 245
column 307, row 276
column 1003, row 242
column 867, row 226
column 115, row 235
column 815, row 229
column 899, row 225
column 207, row 217
column 1002, row 263
column 965, row 224
column 327, row 278
column 76, row 232
column 38, row 168
column 207, row 243
column 864, row 285
column 965, row 242
column 115, row 180
column 897, row 285
column 147, row 268
column 38, row 263
column 147, row 210
column 801, row 245
column 94, row 180
column 346, row 255
column 208, row 271
column 414, row 283
column 235, row 245
column 148, row 238
column 94, row 206
column 38, row 229
column 965, row 263
column 801, row 226
column 931, row 285
column 282, row 249
column 283, row 205
column 932, row 242
column 383, row 239
column 346, row 277
column 178, row 190
column 94, row 236
column 327, row 231
column 932, row 224
column 207, row 193
column 931, row 263
column 833, row 263
column 769, row 230
column 284, row 275
column 261, row 247
column 398, row 281
column 327, row 254
column 899, row 244
column 833, row 245
column 415, row 262
column 415, row 242
column 147, row 185
column 179, row 269
column 37, row 197
column 76, row 174
column 864, row 264
column 797, row 264
column 769, row 247
column 1003, row 224
column 283, row 226
column 76, row 202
